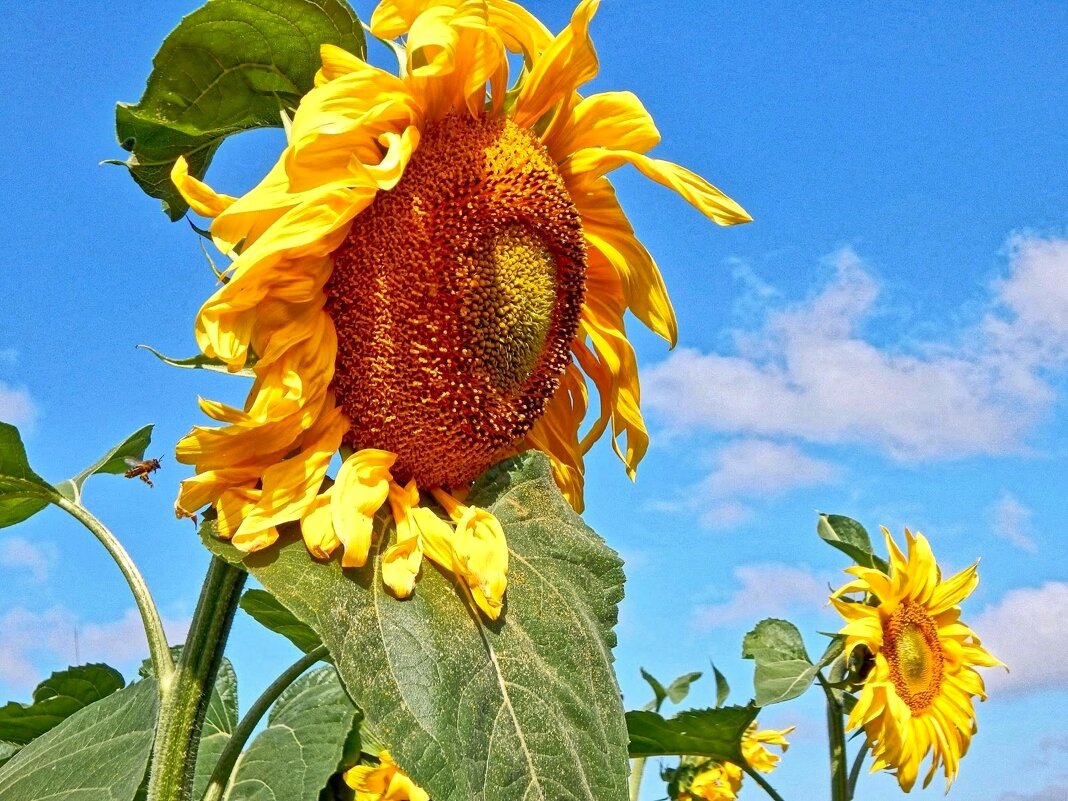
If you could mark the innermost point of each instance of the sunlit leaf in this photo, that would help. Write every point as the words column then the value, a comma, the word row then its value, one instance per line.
column 783, row 668
column 199, row 362
column 56, row 699
column 851, row 538
column 524, row 708
column 97, row 754
column 713, row 733
column 23, row 493
column 269, row 612
column 723, row 689
column 230, row 66
column 114, row 462
column 301, row 748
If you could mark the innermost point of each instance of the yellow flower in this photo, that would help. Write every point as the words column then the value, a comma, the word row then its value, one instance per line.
column 383, row 782
column 718, row 781
column 917, row 698
column 428, row 278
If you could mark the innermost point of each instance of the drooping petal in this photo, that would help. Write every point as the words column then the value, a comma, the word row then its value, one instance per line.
column 360, row 489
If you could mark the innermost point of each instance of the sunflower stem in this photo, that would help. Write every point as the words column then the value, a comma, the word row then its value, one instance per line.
column 221, row 775
column 854, row 772
column 158, row 650
column 637, row 768
column 185, row 703
column 762, row 782
column 836, row 741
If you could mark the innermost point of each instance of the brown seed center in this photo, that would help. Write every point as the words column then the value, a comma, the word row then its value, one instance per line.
column 914, row 652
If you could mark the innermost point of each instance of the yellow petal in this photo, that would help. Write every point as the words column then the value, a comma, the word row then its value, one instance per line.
column 317, row 527
column 204, row 200
column 360, row 489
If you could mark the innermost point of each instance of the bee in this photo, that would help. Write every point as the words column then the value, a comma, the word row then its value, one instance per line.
column 142, row 468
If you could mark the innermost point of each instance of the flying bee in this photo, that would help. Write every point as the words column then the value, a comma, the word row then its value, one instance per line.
column 142, row 468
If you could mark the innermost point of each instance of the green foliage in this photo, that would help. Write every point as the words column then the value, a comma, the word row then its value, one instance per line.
column 302, row 746
column 714, row 733
column 783, row 667
column 269, row 612
column 23, row 493
column 230, row 66
column 113, row 462
column 851, row 538
column 523, row 708
column 676, row 691
column 723, row 689
column 199, row 362
column 220, row 721
column 97, row 754
column 56, row 699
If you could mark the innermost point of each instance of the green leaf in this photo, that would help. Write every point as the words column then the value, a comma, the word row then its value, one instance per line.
column 7, row 750
column 298, row 752
column 114, row 462
column 523, row 708
column 680, row 688
column 200, row 362
column 851, row 538
column 266, row 610
column 659, row 691
column 230, row 66
column 97, row 754
column 713, row 733
column 219, row 723
column 723, row 689
column 783, row 668
column 56, row 699
column 23, row 493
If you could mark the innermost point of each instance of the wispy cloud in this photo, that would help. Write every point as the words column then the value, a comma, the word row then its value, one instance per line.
column 36, row 559
column 1027, row 630
column 16, row 406
column 765, row 590
column 807, row 372
column 1012, row 522
column 33, row 643
column 1055, row 791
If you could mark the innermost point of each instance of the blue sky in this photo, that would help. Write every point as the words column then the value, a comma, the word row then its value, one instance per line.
column 887, row 340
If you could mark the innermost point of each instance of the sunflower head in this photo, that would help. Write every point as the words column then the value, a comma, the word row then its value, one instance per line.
column 432, row 277
column 383, row 782
column 916, row 698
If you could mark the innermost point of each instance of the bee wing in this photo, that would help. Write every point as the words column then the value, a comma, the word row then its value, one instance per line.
column 131, row 461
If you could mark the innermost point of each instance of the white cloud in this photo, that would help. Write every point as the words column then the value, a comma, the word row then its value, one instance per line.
column 807, row 372
column 1056, row 791
column 756, row 467
column 1012, row 522
column 726, row 514
column 34, row 643
column 766, row 590
column 1027, row 629
column 37, row 559
column 16, row 406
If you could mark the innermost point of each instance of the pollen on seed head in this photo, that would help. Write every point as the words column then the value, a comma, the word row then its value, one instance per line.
column 456, row 296
column 914, row 653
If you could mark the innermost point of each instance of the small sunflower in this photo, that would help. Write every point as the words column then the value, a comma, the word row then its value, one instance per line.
column 383, row 782
column 427, row 280
column 721, row 781
column 917, row 698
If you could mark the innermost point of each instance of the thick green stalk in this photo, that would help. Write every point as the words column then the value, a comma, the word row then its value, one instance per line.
column 158, row 650
column 637, row 768
column 854, row 773
column 186, row 702
column 220, row 776
column 836, row 742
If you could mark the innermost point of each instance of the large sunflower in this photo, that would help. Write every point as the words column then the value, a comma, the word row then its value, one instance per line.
column 426, row 280
column 917, row 698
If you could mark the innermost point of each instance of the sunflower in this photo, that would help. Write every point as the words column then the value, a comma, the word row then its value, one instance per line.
column 917, row 698
column 383, row 782
column 428, row 279
column 721, row 781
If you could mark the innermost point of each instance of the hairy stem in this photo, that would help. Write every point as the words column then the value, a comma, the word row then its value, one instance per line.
column 854, row 773
column 762, row 782
column 185, row 704
column 220, row 776
column 158, row 649
column 637, row 768
column 836, row 742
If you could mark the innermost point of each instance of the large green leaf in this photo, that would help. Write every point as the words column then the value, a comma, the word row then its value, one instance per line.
column 851, row 538
column 715, row 733
column 269, row 612
column 524, row 708
column 219, row 723
column 113, row 462
column 783, row 667
column 97, row 754
column 56, row 699
column 23, row 493
column 298, row 752
column 230, row 66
